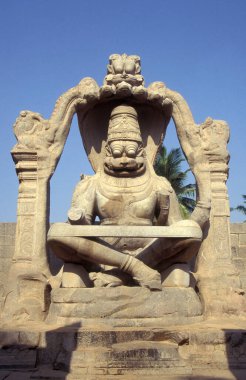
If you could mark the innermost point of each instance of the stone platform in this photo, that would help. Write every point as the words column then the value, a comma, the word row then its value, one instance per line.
column 206, row 350
column 124, row 306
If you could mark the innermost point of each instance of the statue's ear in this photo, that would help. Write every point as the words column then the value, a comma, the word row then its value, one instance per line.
column 141, row 151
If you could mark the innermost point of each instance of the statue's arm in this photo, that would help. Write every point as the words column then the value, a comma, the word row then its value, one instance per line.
column 162, row 208
column 167, row 204
column 174, row 210
column 83, row 202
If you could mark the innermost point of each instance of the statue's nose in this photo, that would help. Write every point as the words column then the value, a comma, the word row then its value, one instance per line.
column 123, row 164
column 124, row 161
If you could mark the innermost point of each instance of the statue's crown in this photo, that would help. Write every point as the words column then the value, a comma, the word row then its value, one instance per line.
column 124, row 109
column 123, row 124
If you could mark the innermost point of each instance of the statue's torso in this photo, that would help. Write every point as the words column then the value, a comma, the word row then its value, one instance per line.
column 126, row 201
column 125, row 210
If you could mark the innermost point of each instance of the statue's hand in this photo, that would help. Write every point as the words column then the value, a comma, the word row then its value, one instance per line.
column 163, row 208
column 76, row 215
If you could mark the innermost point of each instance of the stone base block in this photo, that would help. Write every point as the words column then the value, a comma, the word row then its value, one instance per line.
column 123, row 302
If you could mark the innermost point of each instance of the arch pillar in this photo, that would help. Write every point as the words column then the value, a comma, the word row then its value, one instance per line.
column 205, row 147
column 40, row 143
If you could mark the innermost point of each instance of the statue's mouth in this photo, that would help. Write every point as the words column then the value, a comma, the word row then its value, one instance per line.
column 124, row 171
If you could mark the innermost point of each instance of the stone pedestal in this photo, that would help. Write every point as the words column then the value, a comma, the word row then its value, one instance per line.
column 205, row 350
column 123, row 305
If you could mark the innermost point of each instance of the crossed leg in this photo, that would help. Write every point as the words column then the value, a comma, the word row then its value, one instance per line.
column 164, row 252
column 159, row 253
column 77, row 249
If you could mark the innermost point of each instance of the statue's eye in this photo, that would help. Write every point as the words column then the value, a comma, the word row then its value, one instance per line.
column 116, row 150
column 117, row 153
column 131, row 152
column 131, row 149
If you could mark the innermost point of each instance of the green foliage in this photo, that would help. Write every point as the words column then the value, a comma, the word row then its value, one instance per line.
column 241, row 208
column 168, row 165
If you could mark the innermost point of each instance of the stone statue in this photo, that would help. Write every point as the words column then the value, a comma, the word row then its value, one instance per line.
column 124, row 226
column 124, row 192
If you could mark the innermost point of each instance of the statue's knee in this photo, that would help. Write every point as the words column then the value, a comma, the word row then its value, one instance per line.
column 51, row 241
column 195, row 244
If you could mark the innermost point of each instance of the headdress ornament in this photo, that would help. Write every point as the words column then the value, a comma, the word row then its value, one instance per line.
column 123, row 124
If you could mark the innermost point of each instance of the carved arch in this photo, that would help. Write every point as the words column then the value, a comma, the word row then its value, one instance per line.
column 41, row 142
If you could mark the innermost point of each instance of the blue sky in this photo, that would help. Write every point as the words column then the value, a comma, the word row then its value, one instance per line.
column 197, row 47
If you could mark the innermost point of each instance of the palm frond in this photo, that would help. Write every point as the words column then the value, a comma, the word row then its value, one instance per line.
column 168, row 165
column 240, row 208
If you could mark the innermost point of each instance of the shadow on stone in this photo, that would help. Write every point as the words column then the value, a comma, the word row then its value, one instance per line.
column 236, row 352
column 37, row 355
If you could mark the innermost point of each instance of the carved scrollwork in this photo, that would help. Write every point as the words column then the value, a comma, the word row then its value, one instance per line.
column 124, row 68
column 123, row 76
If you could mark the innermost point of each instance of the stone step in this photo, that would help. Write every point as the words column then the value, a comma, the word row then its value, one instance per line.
column 136, row 373
column 202, row 374
column 13, row 358
column 98, row 352
column 106, row 338
column 123, row 357
column 47, row 374
column 163, row 321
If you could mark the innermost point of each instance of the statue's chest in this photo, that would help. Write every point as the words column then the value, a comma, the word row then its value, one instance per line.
column 127, row 206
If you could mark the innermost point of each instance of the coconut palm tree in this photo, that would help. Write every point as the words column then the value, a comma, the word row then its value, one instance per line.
column 241, row 208
column 168, row 165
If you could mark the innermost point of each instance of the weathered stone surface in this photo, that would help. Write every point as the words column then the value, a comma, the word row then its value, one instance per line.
column 7, row 242
column 238, row 228
column 243, row 281
column 124, row 302
column 242, row 239
column 176, row 276
column 240, row 264
column 172, row 352
column 234, row 245
column 13, row 358
column 9, row 338
column 242, row 251
column 19, row 338
column 187, row 229
column 75, row 276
